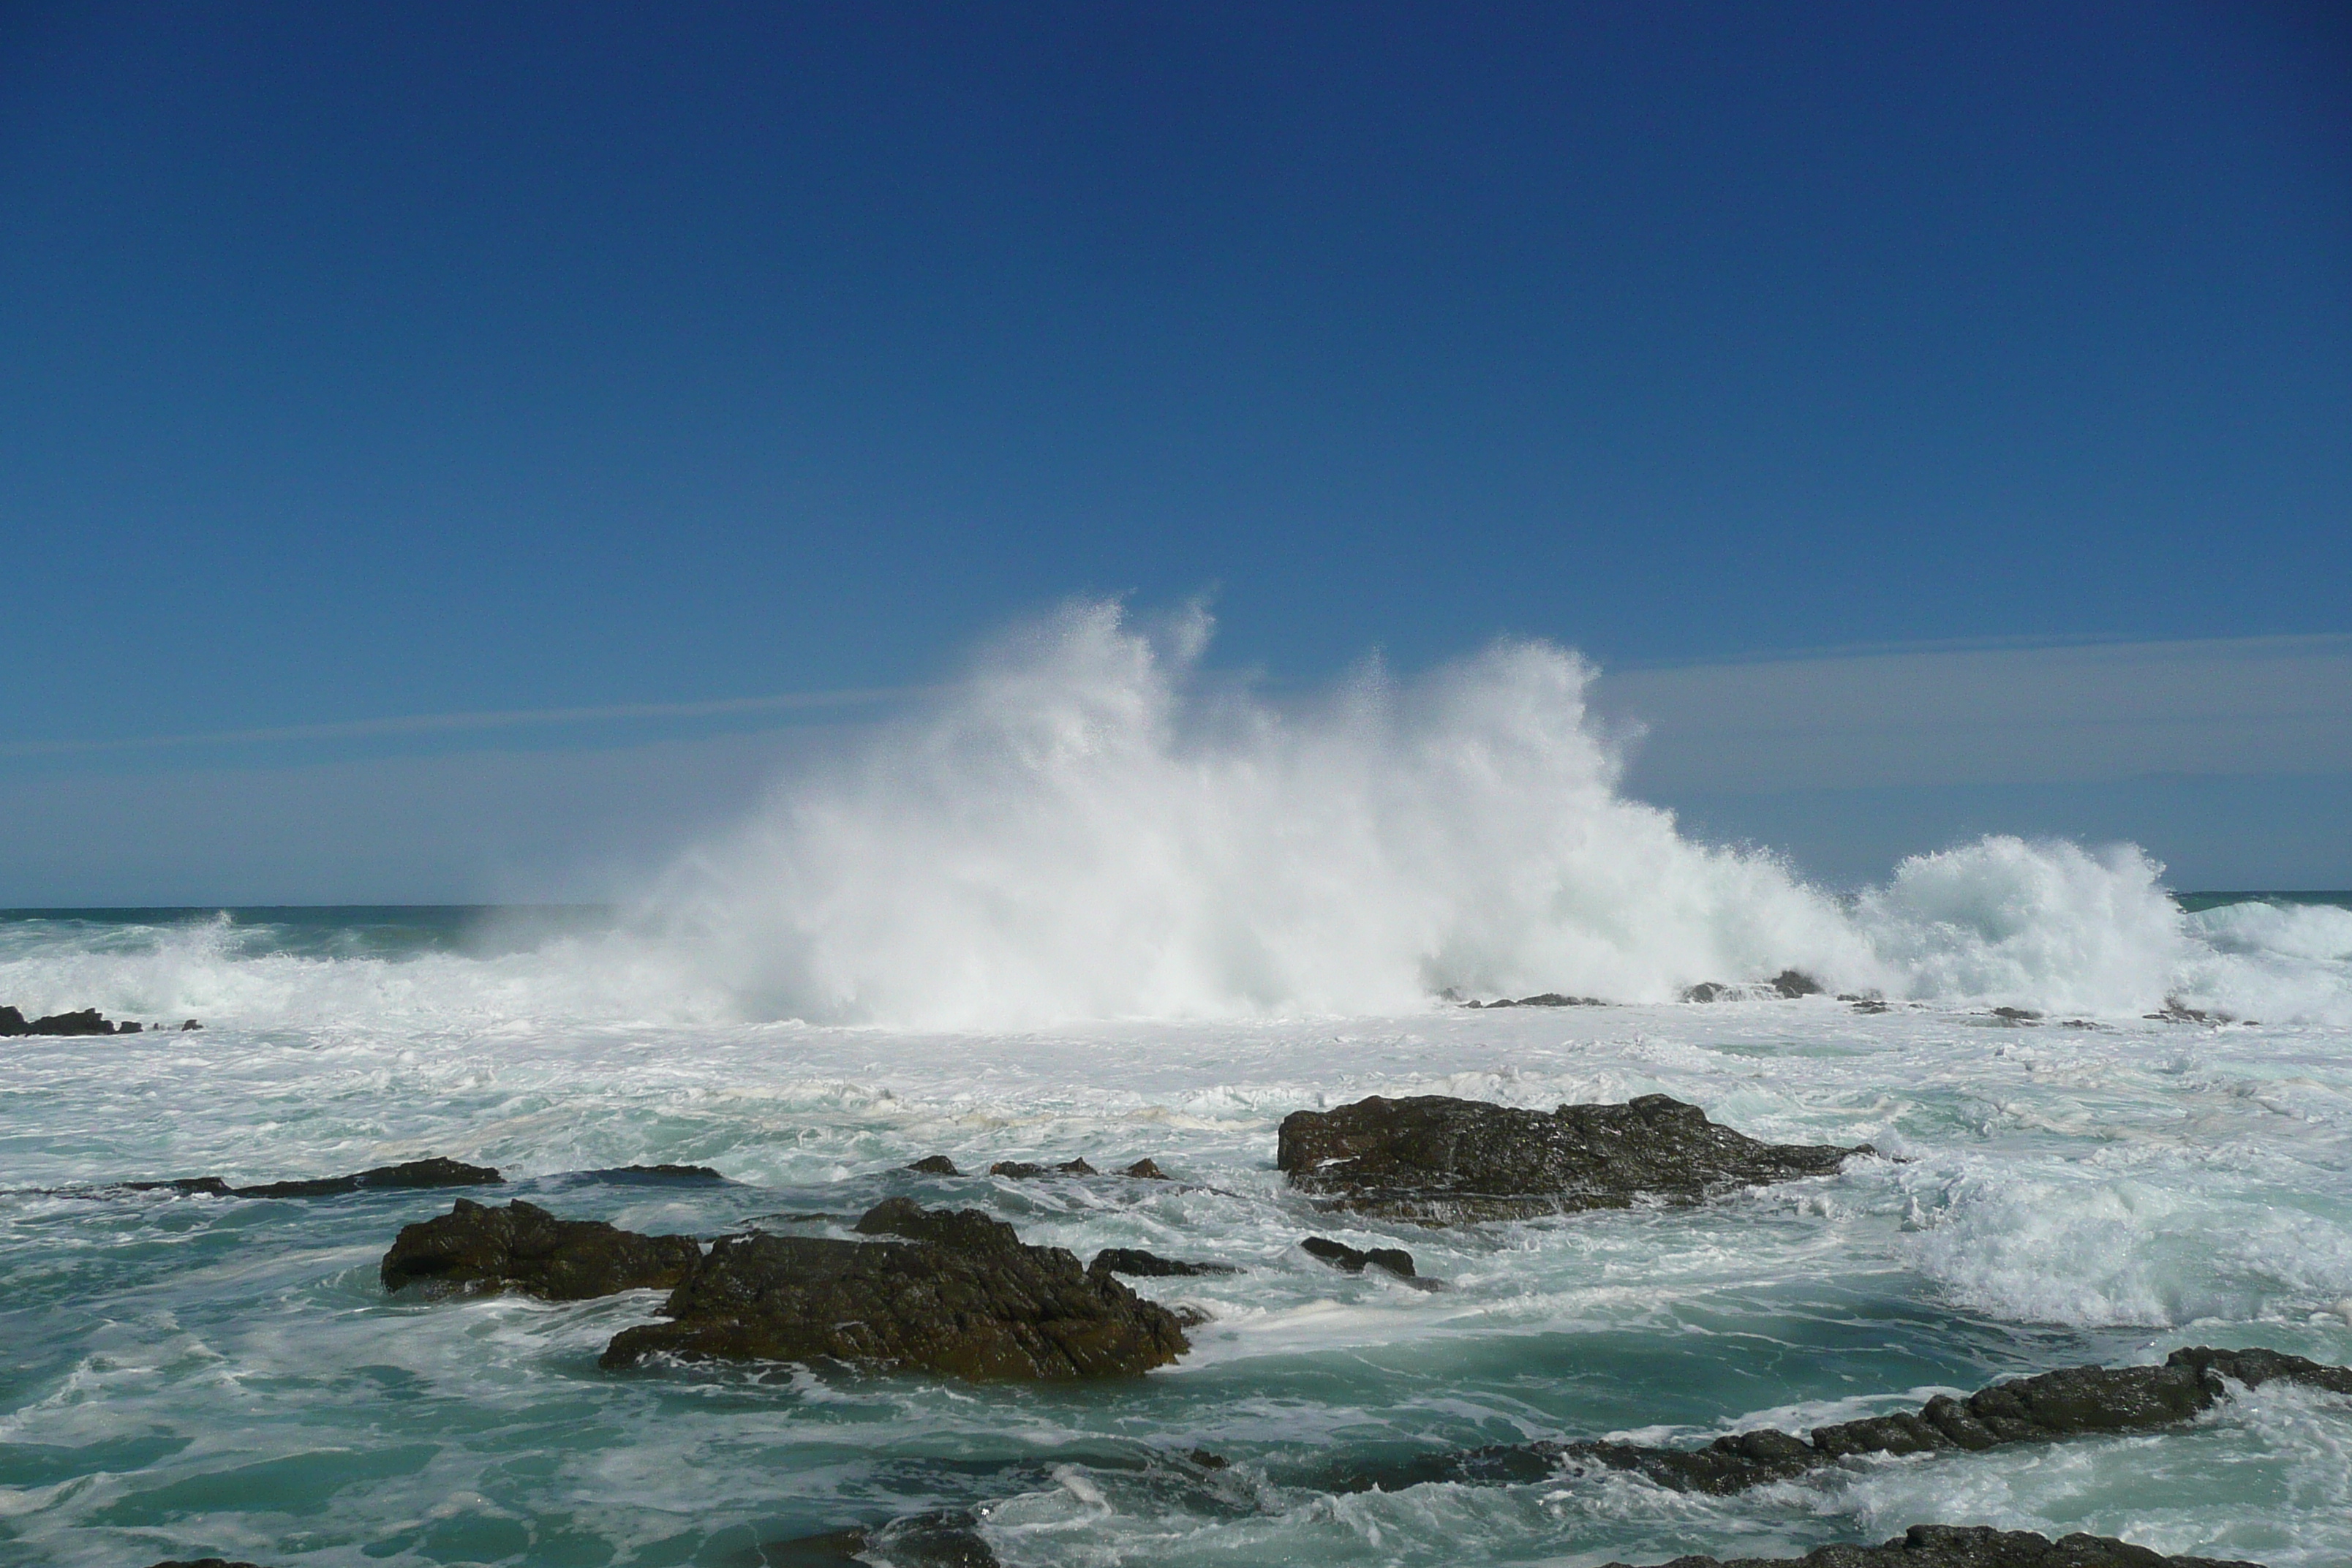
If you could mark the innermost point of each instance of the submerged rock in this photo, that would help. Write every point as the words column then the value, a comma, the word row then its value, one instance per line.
column 412, row 1174
column 1023, row 1169
column 945, row 1538
column 1970, row 1546
column 1150, row 1265
column 1146, row 1170
column 966, row 1298
column 1395, row 1260
column 2075, row 1402
column 525, row 1249
column 1435, row 1159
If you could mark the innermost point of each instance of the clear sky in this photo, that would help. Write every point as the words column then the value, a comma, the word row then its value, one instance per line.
column 360, row 361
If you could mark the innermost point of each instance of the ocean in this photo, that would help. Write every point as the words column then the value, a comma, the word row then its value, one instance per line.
column 1085, row 910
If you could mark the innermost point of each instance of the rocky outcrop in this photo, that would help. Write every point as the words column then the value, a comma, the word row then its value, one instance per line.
column 1395, row 1260
column 936, row 1165
column 1970, row 1546
column 85, row 1022
column 2075, row 1402
column 411, row 1174
column 1548, row 999
column 963, row 1297
column 1146, row 1170
column 524, row 1249
column 1436, row 1160
column 1024, row 1171
column 1145, row 1265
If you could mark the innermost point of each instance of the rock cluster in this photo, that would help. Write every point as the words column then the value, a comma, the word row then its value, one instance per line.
column 87, row 1021
column 523, row 1247
column 1434, row 1160
column 2074, row 1402
column 1395, row 1260
column 1978, row 1546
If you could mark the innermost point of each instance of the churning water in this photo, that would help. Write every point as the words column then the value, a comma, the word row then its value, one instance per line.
column 1097, row 905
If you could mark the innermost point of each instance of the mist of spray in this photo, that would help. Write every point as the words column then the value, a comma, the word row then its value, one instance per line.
column 1088, row 826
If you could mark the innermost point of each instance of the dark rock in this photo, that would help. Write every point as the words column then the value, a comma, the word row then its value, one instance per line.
column 968, row 1299
column 1794, row 983
column 1150, row 1265
column 1433, row 1159
column 1146, row 1170
column 945, row 1538
column 2017, row 1014
column 1208, row 1461
column 657, row 1176
column 1869, row 1005
column 1022, row 1170
column 130, row 1028
column 1396, row 1260
column 1705, row 991
column 1548, row 999
column 936, row 1165
column 1970, row 1546
column 85, row 1022
column 413, row 1174
column 205, row 1186
column 190, row 1024
column 2074, row 1402
column 2175, row 1011
column 202, row 1562
column 525, row 1249
column 11, row 1022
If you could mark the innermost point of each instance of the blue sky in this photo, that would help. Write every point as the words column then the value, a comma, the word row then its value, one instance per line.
column 363, row 362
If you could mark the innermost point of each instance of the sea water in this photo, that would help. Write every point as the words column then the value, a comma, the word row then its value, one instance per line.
column 1095, row 907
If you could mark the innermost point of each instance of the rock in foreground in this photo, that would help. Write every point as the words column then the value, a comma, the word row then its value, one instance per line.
column 1435, row 1158
column 1974, row 1546
column 523, row 1247
column 966, row 1298
column 2081, row 1400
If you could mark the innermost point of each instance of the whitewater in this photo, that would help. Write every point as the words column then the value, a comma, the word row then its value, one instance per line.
column 1099, row 901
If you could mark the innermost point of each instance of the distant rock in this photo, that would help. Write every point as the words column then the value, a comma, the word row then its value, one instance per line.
column 1705, row 991
column 85, row 1022
column 2017, row 1016
column 190, row 1024
column 1144, row 1265
column 202, row 1562
column 966, row 1298
column 1970, row 1546
column 1023, row 1171
column 412, row 1174
column 1437, row 1160
column 2074, row 1402
column 1395, row 1260
column 1146, row 1170
column 655, row 1176
column 1548, row 999
column 524, row 1249
column 1795, row 982
column 936, row 1165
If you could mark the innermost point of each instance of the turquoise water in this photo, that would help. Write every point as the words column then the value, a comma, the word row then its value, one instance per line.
column 197, row 1375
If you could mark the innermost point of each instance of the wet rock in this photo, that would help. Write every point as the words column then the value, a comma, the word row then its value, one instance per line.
column 966, row 1298
column 1795, row 982
column 412, row 1174
column 2071, row 1403
column 85, row 1022
column 945, row 1538
column 1150, row 1265
column 656, row 1177
column 130, row 1028
column 11, row 1022
column 195, row 1187
column 190, row 1024
column 1548, row 999
column 523, row 1247
column 1970, row 1546
column 1022, row 1169
column 202, row 1562
column 1705, row 991
column 2017, row 1014
column 1436, row 1160
column 936, row 1165
column 1395, row 1260
column 1146, row 1170
column 1869, row 1005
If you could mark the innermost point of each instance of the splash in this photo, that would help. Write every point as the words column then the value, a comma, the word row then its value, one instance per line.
column 1091, row 827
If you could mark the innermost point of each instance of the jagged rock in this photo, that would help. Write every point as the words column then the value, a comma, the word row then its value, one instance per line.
column 966, row 1298
column 1023, row 1169
column 1435, row 1159
column 1705, row 991
column 2074, row 1402
column 1548, row 999
column 945, row 1538
column 523, row 1247
column 1146, row 1170
column 85, row 1022
column 1795, row 982
column 433, row 1173
column 936, row 1165
column 1396, row 1260
column 1970, row 1546
column 1150, row 1265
